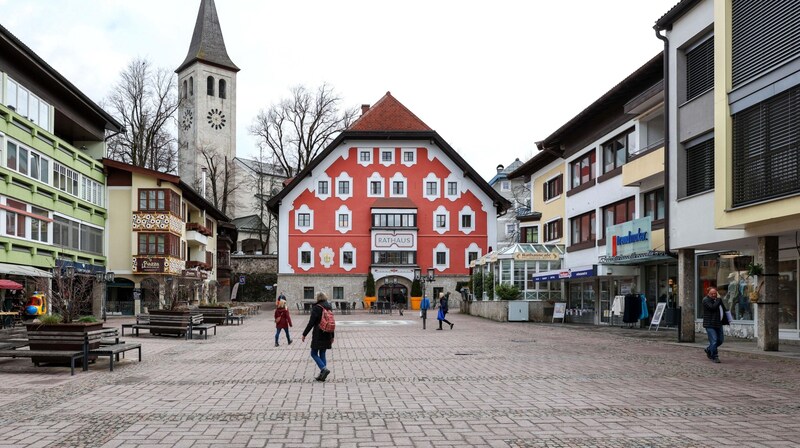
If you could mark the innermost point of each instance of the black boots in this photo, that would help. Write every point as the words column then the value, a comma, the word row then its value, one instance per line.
column 322, row 375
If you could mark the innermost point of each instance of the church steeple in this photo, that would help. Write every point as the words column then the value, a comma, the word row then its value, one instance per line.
column 207, row 43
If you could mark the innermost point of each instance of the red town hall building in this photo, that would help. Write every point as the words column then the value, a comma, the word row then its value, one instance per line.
column 389, row 196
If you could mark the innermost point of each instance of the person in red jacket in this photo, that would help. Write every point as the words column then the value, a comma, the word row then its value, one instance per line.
column 282, row 321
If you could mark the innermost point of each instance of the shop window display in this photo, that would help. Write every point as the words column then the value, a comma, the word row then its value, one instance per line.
column 728, row 274
column 787, row 295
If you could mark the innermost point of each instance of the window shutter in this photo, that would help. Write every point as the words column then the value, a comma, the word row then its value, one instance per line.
column 766, row 160
column 700, row 69
column 559, row 184
column 763, row 35
column 544, row 192
column 700, row 167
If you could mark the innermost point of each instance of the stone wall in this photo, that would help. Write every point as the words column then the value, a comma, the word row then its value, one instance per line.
column 253, row 264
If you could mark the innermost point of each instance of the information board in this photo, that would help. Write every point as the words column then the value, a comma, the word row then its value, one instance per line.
column 657, row 314
column 559, row 311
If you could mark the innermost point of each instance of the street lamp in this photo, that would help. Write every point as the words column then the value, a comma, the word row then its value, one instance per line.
column 105, row 279
column 430, row 278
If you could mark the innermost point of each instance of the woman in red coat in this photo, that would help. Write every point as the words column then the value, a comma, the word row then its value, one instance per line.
column 282, row 321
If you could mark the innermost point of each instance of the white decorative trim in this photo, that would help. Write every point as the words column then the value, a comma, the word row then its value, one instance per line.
column 441, row 211
column 343, row 210
column 383, row 151
column 323, row 178
column 431, row 178
column 326, row 257
column 441, row 248
column 452, row 178
column 397, row 178
column 466, row 211
column 304, row 209
column 305, row 247
column 471, row 248
column 347, row 248
column 365, row 163
column 343, row 176
column 403, row 152
column 376, row 177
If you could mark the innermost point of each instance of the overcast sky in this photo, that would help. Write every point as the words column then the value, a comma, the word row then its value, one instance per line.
column 491, row 78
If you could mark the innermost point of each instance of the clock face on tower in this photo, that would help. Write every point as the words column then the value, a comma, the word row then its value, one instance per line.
column 216, row 119
column 188, row 118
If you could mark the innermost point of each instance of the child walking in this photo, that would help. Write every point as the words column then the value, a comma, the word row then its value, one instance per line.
column 282, row 321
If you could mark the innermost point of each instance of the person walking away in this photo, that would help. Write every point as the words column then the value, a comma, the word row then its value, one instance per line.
column 282, row 321
column 281, row 297
column 714, row 317
column 423, row 310
column 321, row 341
column 443, row 309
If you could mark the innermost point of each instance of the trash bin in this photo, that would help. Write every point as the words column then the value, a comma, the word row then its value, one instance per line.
column 672, row 316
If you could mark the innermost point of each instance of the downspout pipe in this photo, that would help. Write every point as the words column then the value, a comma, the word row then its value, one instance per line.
column 667, row 133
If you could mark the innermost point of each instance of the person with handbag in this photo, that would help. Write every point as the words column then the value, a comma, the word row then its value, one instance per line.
column 443, row 309
column 282, row 321
column 714, row 317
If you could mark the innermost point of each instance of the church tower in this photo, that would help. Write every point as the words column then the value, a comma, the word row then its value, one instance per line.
column 207, row 88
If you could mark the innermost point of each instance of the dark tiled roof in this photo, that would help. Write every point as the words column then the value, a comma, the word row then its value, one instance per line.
column 388, row 114
column 207, row 43
column 393, row 203
column 675, row 13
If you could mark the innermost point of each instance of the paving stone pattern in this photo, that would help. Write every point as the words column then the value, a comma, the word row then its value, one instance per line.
column 481, row 384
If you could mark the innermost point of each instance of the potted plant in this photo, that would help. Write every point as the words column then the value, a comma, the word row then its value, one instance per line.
column 416, row 294
column 488, row 285
column 369, row 291
column 753, row 271
column 70, row 299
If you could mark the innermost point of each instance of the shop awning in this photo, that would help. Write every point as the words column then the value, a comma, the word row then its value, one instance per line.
column 25, row 271
column 9, row 284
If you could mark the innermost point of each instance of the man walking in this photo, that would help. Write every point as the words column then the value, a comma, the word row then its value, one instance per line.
column 713, row 319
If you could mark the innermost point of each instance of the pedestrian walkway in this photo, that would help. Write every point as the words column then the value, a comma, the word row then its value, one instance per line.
column 483, row 383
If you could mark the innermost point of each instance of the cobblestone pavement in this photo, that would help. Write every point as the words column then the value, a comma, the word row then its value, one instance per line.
column 392, row 384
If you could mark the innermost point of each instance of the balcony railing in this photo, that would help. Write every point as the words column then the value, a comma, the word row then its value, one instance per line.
column 198, row 264
column 198, row 228
column 150, row 221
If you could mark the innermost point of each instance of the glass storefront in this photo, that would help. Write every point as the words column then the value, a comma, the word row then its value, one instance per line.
column 728, row 274
column 516, row 265
column 787, row 295
column 580, row 303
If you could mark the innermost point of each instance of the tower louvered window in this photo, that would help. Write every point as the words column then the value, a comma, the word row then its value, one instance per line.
column 700, row 69
column 766, row 149
column 700, row 167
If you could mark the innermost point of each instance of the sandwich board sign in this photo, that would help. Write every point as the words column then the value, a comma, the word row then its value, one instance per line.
column 657, row 315
column 559, row 311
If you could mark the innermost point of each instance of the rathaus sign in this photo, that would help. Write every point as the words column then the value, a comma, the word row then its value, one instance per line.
column 399, row 240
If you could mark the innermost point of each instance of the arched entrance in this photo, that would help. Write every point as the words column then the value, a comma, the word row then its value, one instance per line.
column 394, row 292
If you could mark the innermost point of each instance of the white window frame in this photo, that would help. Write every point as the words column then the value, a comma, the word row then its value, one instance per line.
column 446, row 191
column 466, row 211
column 28, row 230
column 343, row 210
column 431, row 178
column 505, row 185
column 441, row 211
column 305, row 247
column 31, row 99
column 398, row 178
column 323, row 178
column 360, row 151
column 344, row 177
column 413, row 152
column 304, row 209
column 441, row 248
column 347, row 247
column 389, row 151
column 473, row 247
column 31, row 153
column 375, row 177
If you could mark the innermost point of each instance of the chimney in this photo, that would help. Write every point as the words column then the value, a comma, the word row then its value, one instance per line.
column 500, row 169
column 364, row 108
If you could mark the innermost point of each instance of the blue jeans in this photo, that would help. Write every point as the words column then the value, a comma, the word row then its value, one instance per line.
column 318, row 355
column 278, row 334
column 715, row 338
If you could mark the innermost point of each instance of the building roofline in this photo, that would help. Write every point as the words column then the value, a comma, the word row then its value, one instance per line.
column 674, row 13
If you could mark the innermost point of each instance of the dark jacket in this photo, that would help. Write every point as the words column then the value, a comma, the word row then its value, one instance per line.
column 320, row 340
column 286, row 319
column 711, row 314
column 443, row 305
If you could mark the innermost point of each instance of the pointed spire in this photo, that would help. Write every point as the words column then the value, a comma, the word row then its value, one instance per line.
column 207, row 43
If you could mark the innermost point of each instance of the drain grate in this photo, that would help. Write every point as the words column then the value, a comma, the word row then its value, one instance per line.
column 466, row 354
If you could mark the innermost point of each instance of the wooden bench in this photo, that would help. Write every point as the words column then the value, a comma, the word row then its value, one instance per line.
column 215, row 315
column 113, row 347
column 202, row 329
column 13, row 338
column 48, row 354
column 159, row 324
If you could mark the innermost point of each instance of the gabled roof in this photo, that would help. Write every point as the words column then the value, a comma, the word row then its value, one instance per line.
column 188, row 192
column 388, row 114
column 388, row 111
column 207, row 43
column 666, row 21
column 251, row 222
column 261, row 167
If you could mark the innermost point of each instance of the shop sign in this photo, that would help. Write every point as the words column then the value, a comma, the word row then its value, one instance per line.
column 528, row 256
column 150, row 264
column 394, row 240
column 629, row 237
column 588, row 271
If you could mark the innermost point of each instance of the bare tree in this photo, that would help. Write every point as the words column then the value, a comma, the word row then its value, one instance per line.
column 70, row 295
column 296, row 129
column 220, row 175
column 144, row 101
